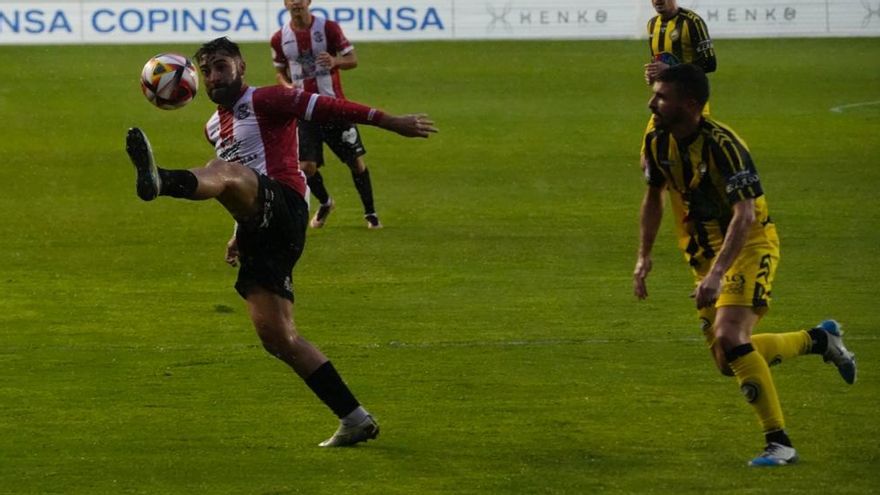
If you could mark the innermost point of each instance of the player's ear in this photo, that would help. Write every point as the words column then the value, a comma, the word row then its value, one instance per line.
column 241, row 66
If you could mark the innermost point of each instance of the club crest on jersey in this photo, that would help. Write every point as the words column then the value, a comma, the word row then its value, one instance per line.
column 243, row 112
column 318, row 36
column 674, row 35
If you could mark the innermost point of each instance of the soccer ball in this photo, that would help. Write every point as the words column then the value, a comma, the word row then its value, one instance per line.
column 169, row 80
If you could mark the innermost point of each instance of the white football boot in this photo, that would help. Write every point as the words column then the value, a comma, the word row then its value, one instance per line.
column 348, row 435
column 837, row 353
column 775, row 454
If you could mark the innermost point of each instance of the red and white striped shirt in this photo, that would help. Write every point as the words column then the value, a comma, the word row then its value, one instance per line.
column 259, row 130
column 298, row 52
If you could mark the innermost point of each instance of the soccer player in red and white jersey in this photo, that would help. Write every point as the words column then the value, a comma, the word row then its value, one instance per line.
column 257, row 179
column 308, row 53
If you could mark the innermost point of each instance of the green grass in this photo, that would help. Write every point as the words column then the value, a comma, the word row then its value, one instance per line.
column 490, row 326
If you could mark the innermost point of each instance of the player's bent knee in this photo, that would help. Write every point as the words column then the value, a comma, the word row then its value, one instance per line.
column 308, row 168
column 721, row 361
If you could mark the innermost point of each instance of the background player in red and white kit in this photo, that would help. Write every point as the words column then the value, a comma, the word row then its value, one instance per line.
column 308, row 53
column 257, row 179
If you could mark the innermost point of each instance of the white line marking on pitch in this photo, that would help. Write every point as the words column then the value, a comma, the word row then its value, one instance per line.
column 841, row 108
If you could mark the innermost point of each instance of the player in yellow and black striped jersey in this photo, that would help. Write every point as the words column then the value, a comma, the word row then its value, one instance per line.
column 725, row 232
column 677, row 35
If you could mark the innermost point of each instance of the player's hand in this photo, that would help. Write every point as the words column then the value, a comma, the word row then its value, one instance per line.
column 326, row 60
column 707, row 291
column 413, row 125
column 653, row 69
column 232, row 252
column 643, row 267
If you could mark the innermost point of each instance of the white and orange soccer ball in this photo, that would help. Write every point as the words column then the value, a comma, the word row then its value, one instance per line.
column 169, row 80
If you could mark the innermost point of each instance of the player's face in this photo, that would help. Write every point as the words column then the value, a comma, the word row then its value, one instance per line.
column 668, row 107
column 297, row 7
column 665, row 7
column 223, row 75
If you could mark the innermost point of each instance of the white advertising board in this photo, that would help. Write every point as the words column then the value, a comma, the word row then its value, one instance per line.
column 107, row 21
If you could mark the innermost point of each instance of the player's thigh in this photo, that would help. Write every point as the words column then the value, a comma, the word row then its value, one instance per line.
column 271, row 243
column 749, row 280
column 311, row 143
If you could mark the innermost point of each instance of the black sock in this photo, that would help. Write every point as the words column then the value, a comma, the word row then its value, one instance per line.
column 178, row 183
column 365, row 189
column 326, row 383
column 316, row 184
column 778, row 436
column 820, row 340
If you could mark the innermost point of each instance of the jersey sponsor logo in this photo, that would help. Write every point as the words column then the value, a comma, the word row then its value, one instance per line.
column 741, row 180
column 704, row 46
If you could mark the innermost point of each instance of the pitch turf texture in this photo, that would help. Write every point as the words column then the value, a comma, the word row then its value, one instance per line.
column 490, row 326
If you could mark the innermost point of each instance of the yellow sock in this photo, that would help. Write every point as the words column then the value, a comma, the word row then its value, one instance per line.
column 753, row 375
column 777, row 347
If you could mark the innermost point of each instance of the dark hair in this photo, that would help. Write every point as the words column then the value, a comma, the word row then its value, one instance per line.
column 689, row 80
column 222, row 44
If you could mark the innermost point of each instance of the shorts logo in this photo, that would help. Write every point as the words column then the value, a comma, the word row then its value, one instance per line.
column 734, row 284
column 288, row 284
column 350, row 136
column 267, row 208
column 750, row 391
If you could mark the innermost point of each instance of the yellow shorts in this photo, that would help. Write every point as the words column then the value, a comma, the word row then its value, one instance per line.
column 749, row 281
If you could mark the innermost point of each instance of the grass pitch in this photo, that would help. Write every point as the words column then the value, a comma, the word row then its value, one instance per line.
column 490, row 326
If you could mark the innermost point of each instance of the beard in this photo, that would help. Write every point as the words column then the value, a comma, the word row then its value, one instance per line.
column 665, row 122
column 226, row 94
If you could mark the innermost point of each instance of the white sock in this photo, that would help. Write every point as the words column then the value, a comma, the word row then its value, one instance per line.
column 355, row 416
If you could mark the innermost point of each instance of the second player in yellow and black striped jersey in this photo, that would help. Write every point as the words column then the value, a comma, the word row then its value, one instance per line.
column 706, row 174
column 682, row 38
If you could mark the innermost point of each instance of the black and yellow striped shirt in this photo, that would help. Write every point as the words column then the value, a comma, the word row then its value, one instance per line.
column 684, row 37
column 706, row 174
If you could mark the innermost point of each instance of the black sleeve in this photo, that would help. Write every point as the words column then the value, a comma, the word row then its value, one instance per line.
column 702, row 43
column 735, row 164
column 653, row 175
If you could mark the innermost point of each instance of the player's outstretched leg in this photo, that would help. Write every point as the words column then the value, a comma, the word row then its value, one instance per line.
column 141, row 154
column 828, row 341
column 775, row 454
column 153, row 181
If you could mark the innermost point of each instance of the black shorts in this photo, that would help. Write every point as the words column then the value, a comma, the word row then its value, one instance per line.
column 270, row 243
column 343, row 139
